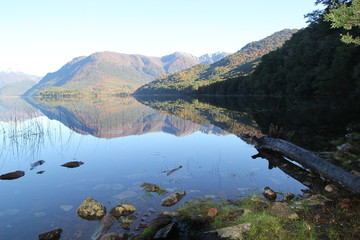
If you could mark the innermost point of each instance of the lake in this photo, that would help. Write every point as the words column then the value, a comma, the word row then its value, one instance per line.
column 124, row 142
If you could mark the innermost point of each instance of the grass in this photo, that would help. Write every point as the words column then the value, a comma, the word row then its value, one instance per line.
column 264, row 225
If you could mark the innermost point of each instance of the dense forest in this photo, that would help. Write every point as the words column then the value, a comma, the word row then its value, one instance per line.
column 315, row 63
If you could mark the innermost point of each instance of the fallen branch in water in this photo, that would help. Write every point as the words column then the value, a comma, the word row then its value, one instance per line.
column 311, row 161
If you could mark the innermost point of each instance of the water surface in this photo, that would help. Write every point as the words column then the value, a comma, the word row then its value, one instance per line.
column 123, row 143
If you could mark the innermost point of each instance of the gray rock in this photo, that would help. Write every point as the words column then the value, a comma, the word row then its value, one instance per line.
column 173, row 198
column 103, row 226
column 314, row 201
column 51, row 235
column 165, row 232
column 111, row 236
column 256, row 198
column 331, row 188
column 283, row 210
column 235, row 232
column 91, row 209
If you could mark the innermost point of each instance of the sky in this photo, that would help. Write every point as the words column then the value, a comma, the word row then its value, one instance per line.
column 40, row 36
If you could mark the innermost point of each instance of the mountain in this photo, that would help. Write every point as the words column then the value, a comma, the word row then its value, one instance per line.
column 237, row 64
column 315, row 64
column 211, row 58
column 16, row 83
column 109, row 73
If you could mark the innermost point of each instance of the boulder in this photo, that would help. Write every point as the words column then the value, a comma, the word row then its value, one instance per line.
column 172, row 199
column 91, row 209
column 269, row 194
column 122, row 210
column 283, row 210
column 51, row 235
column 150, row 187
column 72, row 164
column 12, row 175
column 235, row 232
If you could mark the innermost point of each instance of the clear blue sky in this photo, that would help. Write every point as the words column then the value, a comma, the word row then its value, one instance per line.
column 40, row 36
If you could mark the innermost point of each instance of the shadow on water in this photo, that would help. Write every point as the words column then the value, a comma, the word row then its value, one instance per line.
column 315, row 125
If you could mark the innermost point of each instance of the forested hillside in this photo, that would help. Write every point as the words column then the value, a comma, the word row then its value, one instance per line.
column 237, row 64
column 315, row 63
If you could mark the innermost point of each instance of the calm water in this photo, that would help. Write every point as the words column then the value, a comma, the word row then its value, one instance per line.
column 123, row 144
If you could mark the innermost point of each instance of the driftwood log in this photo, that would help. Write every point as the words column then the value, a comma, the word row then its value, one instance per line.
column 311, row 161
column 309, row 179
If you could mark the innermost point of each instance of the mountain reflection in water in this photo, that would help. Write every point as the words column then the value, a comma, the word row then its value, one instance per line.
column 117, row 117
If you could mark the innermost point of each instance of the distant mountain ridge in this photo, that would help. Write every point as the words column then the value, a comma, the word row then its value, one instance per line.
column 112, row 73
column 15, row 83
column 240, row 63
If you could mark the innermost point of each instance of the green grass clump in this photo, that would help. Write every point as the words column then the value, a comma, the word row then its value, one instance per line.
column 263, row 224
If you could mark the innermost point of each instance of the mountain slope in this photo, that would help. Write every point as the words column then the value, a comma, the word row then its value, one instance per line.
column 109, row 73
column 237, row 64
column 314, row 64
column 16, row 83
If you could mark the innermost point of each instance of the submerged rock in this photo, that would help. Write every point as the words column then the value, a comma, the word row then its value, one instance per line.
column 283, row 210
column 66, row 208
column 103, row 227
column 72, row 164
column 12, row 175
column 150, row 187
column 234, row 232
column 166, row 232
column 51, row 235
column 91, row 209
column 37, row 163
column 269, row 194
column 122, row 210
column 160, row 222
column 111, row 236
column 173, row 198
